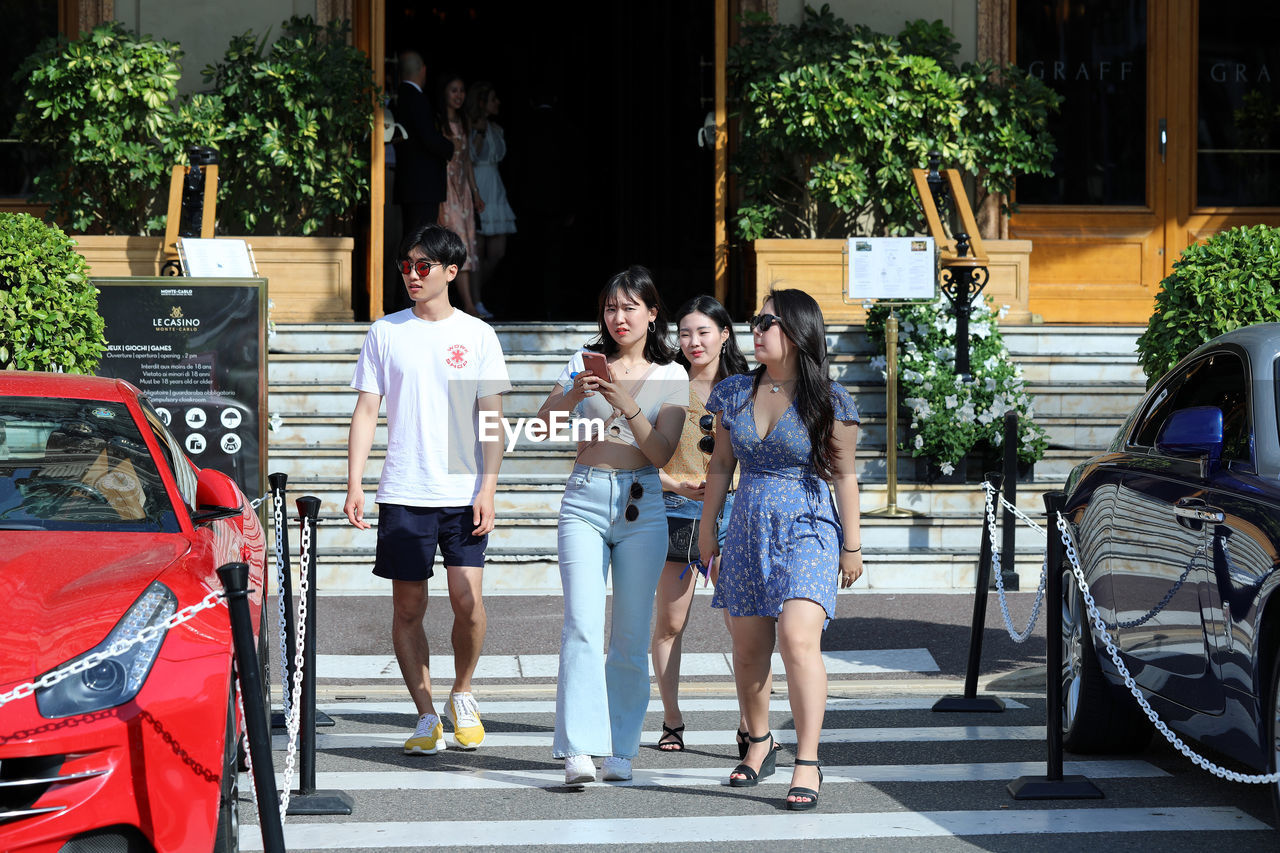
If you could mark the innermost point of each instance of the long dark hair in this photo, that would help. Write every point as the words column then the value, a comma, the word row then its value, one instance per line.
column 442, row 106
column 732, row 361
column 637, row 283
column 803, row 325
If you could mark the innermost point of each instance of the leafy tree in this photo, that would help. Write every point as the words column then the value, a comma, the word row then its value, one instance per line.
column 298, row 124
column 834, row 117
column 1230, row 280
column 48, row 307
column 101, row 107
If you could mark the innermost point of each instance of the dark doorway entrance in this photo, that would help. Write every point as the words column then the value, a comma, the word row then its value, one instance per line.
column 601, row 104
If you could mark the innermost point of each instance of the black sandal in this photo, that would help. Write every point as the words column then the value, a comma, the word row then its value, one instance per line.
column 676, row 744
column 751, row 778
column 812, row 802
column 741, row 738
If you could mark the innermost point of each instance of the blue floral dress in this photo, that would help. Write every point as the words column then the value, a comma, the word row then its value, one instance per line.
column 784, row 537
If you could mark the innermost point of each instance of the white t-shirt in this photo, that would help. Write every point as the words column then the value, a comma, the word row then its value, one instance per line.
column 430, row 375
column 665, row 384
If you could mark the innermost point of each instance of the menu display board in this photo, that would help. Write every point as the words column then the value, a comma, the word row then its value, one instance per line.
column 197, row 347
column 894, row 269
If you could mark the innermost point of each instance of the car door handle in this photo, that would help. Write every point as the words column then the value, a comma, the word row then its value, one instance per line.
column 1198, row 511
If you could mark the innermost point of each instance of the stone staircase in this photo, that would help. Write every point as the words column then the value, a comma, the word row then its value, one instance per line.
column 1086, row 379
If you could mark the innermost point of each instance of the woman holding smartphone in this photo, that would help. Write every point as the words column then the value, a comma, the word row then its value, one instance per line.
column 612, row 516
column 708, row 350
column 789, row 544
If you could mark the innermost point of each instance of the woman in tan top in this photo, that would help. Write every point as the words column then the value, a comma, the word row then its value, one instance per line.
column 708, row 349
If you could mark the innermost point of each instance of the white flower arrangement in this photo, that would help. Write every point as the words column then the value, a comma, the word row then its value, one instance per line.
column 951, row 417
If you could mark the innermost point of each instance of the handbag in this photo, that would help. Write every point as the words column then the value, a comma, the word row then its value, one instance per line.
column 682, row 539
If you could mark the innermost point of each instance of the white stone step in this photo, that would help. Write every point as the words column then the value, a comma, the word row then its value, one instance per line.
column 537, row 573
column 536, row 494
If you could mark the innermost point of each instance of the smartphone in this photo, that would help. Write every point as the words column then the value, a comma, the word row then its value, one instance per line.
column 597, row 364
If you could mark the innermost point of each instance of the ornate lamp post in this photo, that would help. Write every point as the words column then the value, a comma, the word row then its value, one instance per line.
column 963, row 275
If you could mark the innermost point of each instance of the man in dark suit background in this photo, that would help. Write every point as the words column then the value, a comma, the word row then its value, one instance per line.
column 422, row 158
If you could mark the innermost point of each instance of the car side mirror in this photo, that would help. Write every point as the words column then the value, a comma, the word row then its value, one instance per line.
column 216, row 497
column 1196, row 431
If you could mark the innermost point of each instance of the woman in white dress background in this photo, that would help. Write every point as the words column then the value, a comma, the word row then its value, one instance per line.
column 488, row 147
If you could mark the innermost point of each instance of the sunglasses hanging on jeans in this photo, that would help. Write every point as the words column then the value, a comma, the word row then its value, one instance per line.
column 632, row 511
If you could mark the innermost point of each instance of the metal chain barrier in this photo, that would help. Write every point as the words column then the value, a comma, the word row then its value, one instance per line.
column 1014, row 634
column 293, row 718
column 1230, row 775
column 147, row 634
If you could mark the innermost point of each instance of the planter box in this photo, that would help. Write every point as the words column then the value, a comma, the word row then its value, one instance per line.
column 972, row 468
column 308, row 278
column 818, row 268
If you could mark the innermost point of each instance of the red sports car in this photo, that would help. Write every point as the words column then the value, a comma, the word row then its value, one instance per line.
column 106, row 528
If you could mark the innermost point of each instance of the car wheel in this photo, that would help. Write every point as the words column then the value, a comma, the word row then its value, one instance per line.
column 1096, row 716
column 228, row 838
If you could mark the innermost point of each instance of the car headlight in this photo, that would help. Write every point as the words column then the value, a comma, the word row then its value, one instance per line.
column 116, row 679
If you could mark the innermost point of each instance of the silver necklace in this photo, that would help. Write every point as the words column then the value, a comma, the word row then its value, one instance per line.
column 777, row 386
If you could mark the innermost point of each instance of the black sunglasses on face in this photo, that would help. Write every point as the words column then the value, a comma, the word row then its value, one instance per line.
column 632, row 512
column 764, row 322
column 707, row 443
column 422, row 268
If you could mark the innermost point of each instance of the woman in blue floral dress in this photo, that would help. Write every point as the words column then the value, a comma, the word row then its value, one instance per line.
column 793, row 532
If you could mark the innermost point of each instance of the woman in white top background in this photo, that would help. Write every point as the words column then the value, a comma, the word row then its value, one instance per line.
column 497, row 219
column 612, row 516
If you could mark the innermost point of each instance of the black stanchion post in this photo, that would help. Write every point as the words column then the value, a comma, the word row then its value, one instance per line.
column 235, row 579
column 1053, row 785
column 307, row 800
column 278, row 483
column 971, row 701
column 1009, row 521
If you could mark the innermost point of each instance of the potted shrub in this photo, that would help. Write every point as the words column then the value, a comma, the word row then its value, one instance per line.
column 834, row 117
column 1230, row 280
column 48, row 308
column 953, row 420
column 292, row 151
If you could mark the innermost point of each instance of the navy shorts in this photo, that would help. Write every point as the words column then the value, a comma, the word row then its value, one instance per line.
column 408, row 536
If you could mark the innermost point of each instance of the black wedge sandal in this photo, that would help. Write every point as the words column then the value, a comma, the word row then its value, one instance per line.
column 740, row 737
column 812, row 802
column 672, row 740
column 752, row 777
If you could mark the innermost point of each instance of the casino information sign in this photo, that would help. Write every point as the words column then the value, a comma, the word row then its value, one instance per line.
column 197, row 347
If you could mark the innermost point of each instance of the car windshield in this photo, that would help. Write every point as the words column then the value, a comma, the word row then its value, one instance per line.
column 77, row 465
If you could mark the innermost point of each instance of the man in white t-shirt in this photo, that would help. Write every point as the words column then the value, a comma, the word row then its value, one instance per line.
column 438, row 369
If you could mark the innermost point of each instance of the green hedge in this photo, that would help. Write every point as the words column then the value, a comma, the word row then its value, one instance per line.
column 1230, row 280
column 48, row 307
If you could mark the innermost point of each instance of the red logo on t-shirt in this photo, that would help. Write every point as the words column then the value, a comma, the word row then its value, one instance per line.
column 457, row 357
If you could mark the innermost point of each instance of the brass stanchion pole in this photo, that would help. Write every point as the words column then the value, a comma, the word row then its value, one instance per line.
column 891, row 510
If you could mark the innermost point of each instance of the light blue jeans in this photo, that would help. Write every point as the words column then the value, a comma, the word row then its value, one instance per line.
column 601, row 702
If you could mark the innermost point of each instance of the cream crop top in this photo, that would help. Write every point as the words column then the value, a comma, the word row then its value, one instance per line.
column 665, row 384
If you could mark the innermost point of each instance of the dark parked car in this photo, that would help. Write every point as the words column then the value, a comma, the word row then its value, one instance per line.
column 1178, row 531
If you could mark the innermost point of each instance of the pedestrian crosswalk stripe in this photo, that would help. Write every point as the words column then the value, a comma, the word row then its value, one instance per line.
column 844, row 662
column 751, row 828
column 428, row 779
column 688, row 706
column 888, row 734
